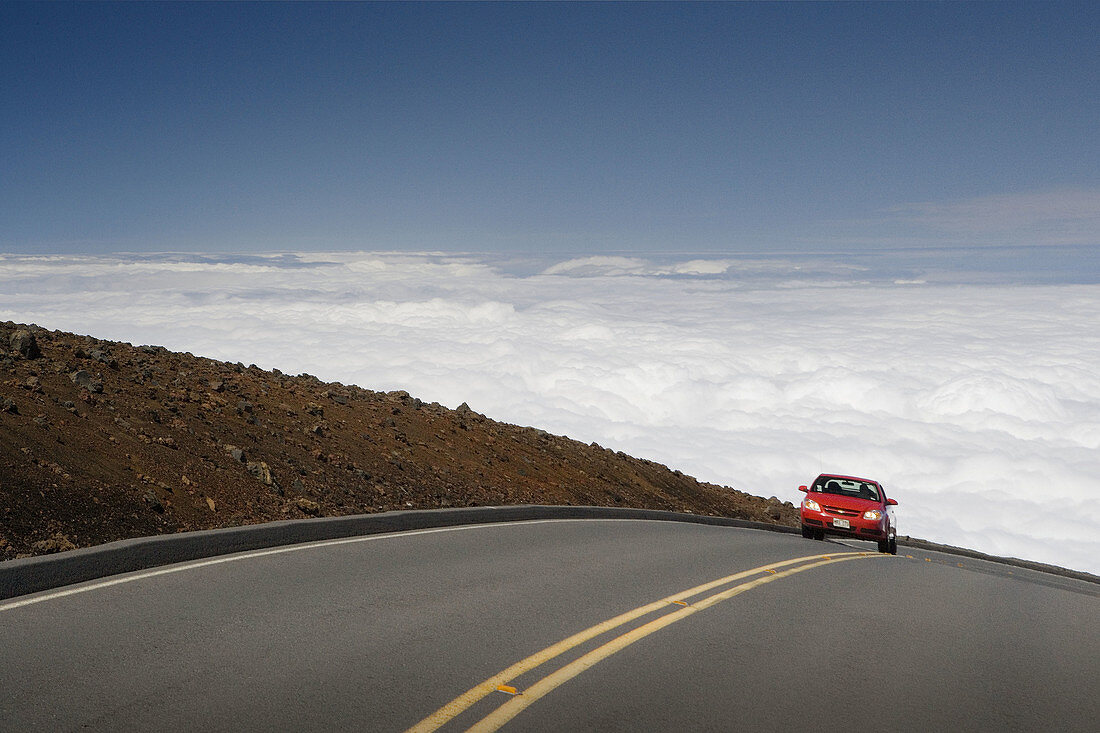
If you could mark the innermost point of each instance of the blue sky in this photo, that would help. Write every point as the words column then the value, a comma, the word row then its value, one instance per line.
column 538, row 127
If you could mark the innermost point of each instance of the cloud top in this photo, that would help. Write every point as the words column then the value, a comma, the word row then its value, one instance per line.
column 978, row 405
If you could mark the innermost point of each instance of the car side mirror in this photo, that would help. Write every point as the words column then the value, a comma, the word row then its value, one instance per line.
column 803, row 488
column 891, row 502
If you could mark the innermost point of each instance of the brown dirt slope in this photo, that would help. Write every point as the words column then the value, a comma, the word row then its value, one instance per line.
column 101, row 441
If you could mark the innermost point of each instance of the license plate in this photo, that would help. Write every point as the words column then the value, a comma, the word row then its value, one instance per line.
column 842, row 523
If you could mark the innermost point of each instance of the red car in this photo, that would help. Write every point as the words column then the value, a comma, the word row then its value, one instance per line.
column 850, row 507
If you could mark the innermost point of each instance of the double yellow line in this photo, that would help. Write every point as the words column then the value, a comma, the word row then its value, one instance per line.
column 519, row 700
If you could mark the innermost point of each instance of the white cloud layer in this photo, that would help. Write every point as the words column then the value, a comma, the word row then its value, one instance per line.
column 977, row 405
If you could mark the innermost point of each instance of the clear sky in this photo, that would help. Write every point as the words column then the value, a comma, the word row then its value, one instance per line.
column 548, row 127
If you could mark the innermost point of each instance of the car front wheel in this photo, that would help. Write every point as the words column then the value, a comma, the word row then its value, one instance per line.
column 807, row 533
column 884, row 546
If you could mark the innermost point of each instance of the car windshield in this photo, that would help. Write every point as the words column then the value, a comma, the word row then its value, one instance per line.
column 846, row 487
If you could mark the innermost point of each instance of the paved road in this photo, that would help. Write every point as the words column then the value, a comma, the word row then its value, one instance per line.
column 380, row 633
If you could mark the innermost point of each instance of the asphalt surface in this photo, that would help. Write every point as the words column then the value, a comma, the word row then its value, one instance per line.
column 378, row 633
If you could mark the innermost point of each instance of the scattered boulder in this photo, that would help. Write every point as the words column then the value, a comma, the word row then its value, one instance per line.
column 8, row 405
column 82, row 378
column 306, row 506
column 154, row 501
column 337, row 397
column 261, row 472
column 103, row 358
column 235, row 453
column 25, row 344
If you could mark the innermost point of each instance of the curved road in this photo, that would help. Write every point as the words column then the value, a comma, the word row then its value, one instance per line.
column 605, row 624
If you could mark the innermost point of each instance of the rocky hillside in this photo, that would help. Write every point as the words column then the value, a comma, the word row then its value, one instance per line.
column 101, row 441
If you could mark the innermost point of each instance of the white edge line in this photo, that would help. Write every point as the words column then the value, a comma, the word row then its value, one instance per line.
column 194, row 565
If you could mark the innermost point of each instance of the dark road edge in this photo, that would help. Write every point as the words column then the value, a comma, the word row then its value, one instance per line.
column 34, row 574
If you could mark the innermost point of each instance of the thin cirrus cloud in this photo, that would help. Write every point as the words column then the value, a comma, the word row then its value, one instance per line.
column 977, row 404
column 1065, row 217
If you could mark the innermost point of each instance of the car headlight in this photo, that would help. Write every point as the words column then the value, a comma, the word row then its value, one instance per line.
column 812, row 505
column 874, row 514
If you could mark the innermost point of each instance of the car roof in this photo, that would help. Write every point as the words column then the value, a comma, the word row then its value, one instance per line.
column 850, row 478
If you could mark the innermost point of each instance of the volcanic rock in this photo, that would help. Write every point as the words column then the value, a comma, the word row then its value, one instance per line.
column 24, row 343
column 159, row 415
column 261, row 472
column 311, row 508
column 83, row 379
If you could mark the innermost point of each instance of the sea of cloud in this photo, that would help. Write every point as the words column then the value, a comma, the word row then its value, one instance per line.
column 976, row 403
